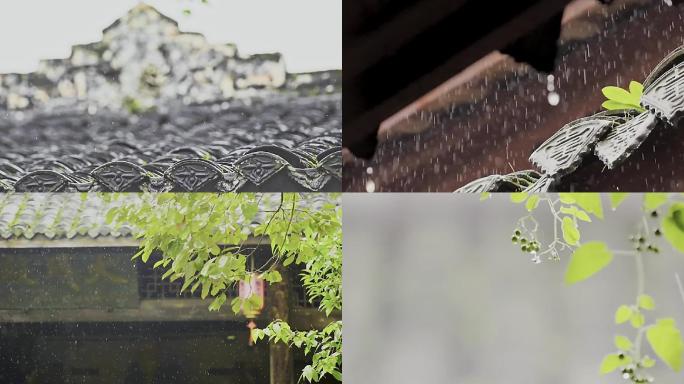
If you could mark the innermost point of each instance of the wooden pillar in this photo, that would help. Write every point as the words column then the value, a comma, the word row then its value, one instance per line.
column 281, row 360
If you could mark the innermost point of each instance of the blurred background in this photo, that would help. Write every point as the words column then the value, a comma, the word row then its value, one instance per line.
column 436, row 293
column 45, row 29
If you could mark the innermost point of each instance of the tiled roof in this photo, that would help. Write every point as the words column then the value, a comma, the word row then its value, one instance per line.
column 58, row 216
column 72, row 215
column 489, row 119
column 277, row 144
column 173, row 114
column 611, row 136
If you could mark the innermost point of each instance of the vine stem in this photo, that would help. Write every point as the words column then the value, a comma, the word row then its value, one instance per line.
column 639, row 261
column 641, row 288
column 679, row 285
column 640, row 273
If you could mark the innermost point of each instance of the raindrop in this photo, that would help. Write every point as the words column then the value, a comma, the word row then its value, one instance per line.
column 549, row 83
column 370, row 186
column 553, row 98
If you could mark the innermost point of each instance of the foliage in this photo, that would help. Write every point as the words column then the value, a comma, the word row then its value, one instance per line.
column 570, row 211
column 208, row 240
column 619, row 98
column 133, row 105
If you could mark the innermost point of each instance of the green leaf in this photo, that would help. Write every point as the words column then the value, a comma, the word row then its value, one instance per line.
column 673, row 226
column 109, row 217
column 590, row 202
column 235, row 305
column 249, row 210
column 613, row 105
column 637, row 320
column 518, row 197
column 578, row 213
column 205, row 290
column 636, row 89
column 612, row 362
column 272, row 277
column 146, row 254
column 666, row 341
column 168, row 273
column 571, row 234
column 623, row 314
column 616, row 198
column 218, row 302
column 646, row 302
column 587, row 260
column 532, row 203
column 619, row 95
column 309, row 373
column 647, row 362
column 622, row 343
column 654, row 200
column 257, row 334
column 567, row 198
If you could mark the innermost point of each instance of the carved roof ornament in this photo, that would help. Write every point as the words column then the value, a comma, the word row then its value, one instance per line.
column 612, row 136
column 512, row 182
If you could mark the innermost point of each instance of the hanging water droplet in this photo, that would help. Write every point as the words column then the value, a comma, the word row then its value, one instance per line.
column 370, row 186
column 553, row 98
column 369, row 170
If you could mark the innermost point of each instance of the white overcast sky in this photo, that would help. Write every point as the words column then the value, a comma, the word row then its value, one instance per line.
column 307, row 32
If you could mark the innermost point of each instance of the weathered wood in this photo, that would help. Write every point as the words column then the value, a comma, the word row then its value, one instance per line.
column 281, row 359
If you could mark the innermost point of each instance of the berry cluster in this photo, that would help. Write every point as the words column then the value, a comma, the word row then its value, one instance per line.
column 630, row 373
column 641, row 243
column 526, row 245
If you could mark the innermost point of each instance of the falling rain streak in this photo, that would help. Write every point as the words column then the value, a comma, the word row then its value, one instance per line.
column 493, row 120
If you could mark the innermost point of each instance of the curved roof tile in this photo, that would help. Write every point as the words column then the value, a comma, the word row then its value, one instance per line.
column 611, row 136
column 216, row 147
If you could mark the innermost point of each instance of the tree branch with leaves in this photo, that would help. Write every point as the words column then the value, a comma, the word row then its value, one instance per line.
column 209, row 241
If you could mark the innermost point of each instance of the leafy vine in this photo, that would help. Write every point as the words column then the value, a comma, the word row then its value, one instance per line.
column 663, row 219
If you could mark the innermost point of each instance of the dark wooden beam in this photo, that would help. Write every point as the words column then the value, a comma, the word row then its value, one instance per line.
column 418, row 47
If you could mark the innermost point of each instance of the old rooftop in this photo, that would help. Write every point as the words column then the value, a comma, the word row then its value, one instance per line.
column 152, row 108
column 490, row 118
column 611, row 136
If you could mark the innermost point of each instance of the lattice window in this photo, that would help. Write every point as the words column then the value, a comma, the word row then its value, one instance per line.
column 151, row 286
column 298, row 292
